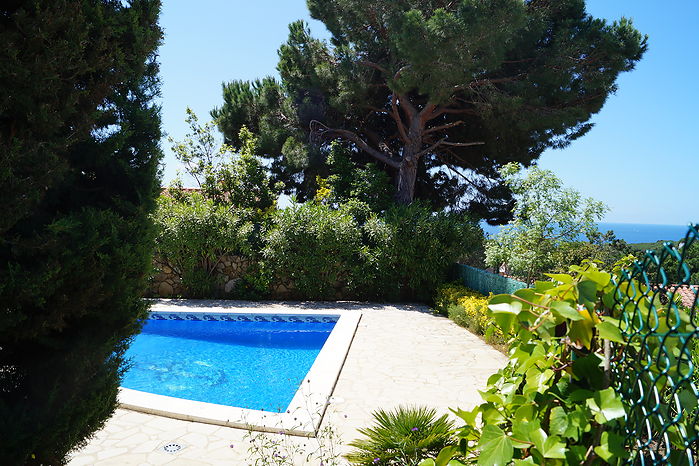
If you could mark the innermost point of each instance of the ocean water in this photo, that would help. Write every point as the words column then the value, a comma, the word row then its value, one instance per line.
column 254, row 365
column 630, row 232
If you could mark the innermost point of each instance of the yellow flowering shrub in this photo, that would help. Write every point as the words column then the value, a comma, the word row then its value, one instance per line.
column 468, row 309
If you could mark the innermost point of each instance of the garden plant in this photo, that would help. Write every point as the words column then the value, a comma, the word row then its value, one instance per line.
column 553, row 403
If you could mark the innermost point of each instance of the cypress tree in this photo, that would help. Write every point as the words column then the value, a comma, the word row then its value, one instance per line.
column 79, row 148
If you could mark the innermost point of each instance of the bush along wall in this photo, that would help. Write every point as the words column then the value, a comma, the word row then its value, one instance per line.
column 309, row 251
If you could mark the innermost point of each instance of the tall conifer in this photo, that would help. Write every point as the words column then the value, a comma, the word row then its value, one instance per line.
column 79, row 149
column 440, row 93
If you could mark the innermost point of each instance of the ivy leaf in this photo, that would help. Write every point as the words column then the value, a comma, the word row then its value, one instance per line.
column 589, row 368
column 609, row 331
column 600, row 278
column 606, row 406
column 688, row 399
column 468, row 416
column 541, row 287
column 444, row 457
column 426, row 462
column 504, row 303
column 522, row 433
column 524, row 413
column 587, row 293
column 527, row 294
column 495, row 446
column 611, row 446
column 558, row 421
column 577, row 422
column 565, row 310
column 537, row 380
column 491, row 414
column 581, row 331
column 554, row 448
column 560, row 277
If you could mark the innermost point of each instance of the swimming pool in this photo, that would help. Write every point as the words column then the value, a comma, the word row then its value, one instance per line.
column 255, row 364
column 263, row 370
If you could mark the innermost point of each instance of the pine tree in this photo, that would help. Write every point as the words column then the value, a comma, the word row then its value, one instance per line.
column 79, row 141
column 442, row 93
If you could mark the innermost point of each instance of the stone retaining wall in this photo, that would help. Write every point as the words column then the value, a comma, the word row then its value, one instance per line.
column 167, row 283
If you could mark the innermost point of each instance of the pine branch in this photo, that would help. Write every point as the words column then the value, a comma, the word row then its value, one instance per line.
column 333, row 133
column 463, row 144
column 398, row 119
column 441, row 127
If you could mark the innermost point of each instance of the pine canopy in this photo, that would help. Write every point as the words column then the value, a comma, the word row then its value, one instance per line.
column 440, row 92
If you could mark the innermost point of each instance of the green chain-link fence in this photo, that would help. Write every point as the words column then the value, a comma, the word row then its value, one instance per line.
column 656, row 370
column 486, row 282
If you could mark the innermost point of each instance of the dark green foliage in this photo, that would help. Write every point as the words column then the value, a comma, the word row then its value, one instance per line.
column 420, row 251
column 402, row 437
column 79, row 146
column 438, row 94
column 403, row 254
column 315, row 247
column 673, row 272
column 194, row 234
column 369, row 184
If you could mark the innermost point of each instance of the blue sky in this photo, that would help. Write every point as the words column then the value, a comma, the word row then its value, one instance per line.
column 640, row 159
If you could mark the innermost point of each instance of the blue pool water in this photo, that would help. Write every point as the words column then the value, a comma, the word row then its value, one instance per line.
column 255, row 365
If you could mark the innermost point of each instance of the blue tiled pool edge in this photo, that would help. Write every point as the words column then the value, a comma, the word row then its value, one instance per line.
column 244, row 317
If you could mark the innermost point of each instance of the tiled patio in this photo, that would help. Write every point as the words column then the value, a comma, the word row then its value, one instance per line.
column 401, row 354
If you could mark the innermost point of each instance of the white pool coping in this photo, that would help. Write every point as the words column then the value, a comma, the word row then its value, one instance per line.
column 305, row 412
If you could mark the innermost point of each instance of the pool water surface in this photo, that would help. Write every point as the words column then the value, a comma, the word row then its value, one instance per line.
column 254, row 365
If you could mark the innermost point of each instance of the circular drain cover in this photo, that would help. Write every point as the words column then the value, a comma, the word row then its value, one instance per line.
column 172, row 448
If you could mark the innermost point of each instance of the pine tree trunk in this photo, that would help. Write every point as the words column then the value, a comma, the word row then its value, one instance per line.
column 406, row 181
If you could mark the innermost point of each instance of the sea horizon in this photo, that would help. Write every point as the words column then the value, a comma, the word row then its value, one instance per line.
column 630, row 232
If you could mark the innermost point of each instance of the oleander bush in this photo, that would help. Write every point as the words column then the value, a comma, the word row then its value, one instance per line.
column 194, row 234
column 351, row 252
column 315, row 247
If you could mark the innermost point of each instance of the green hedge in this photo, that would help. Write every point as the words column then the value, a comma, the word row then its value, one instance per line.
column 319, row 251
column 350, row 252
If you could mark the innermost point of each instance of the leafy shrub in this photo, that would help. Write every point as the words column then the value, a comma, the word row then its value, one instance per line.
column 403, row 254
column 552, row 403
column 255, row 284
column 314, row 246
column 468, row 309
column 547, row 216
column 194, row 234
column 402, row 437
column 239, row 180
column 411, row 250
